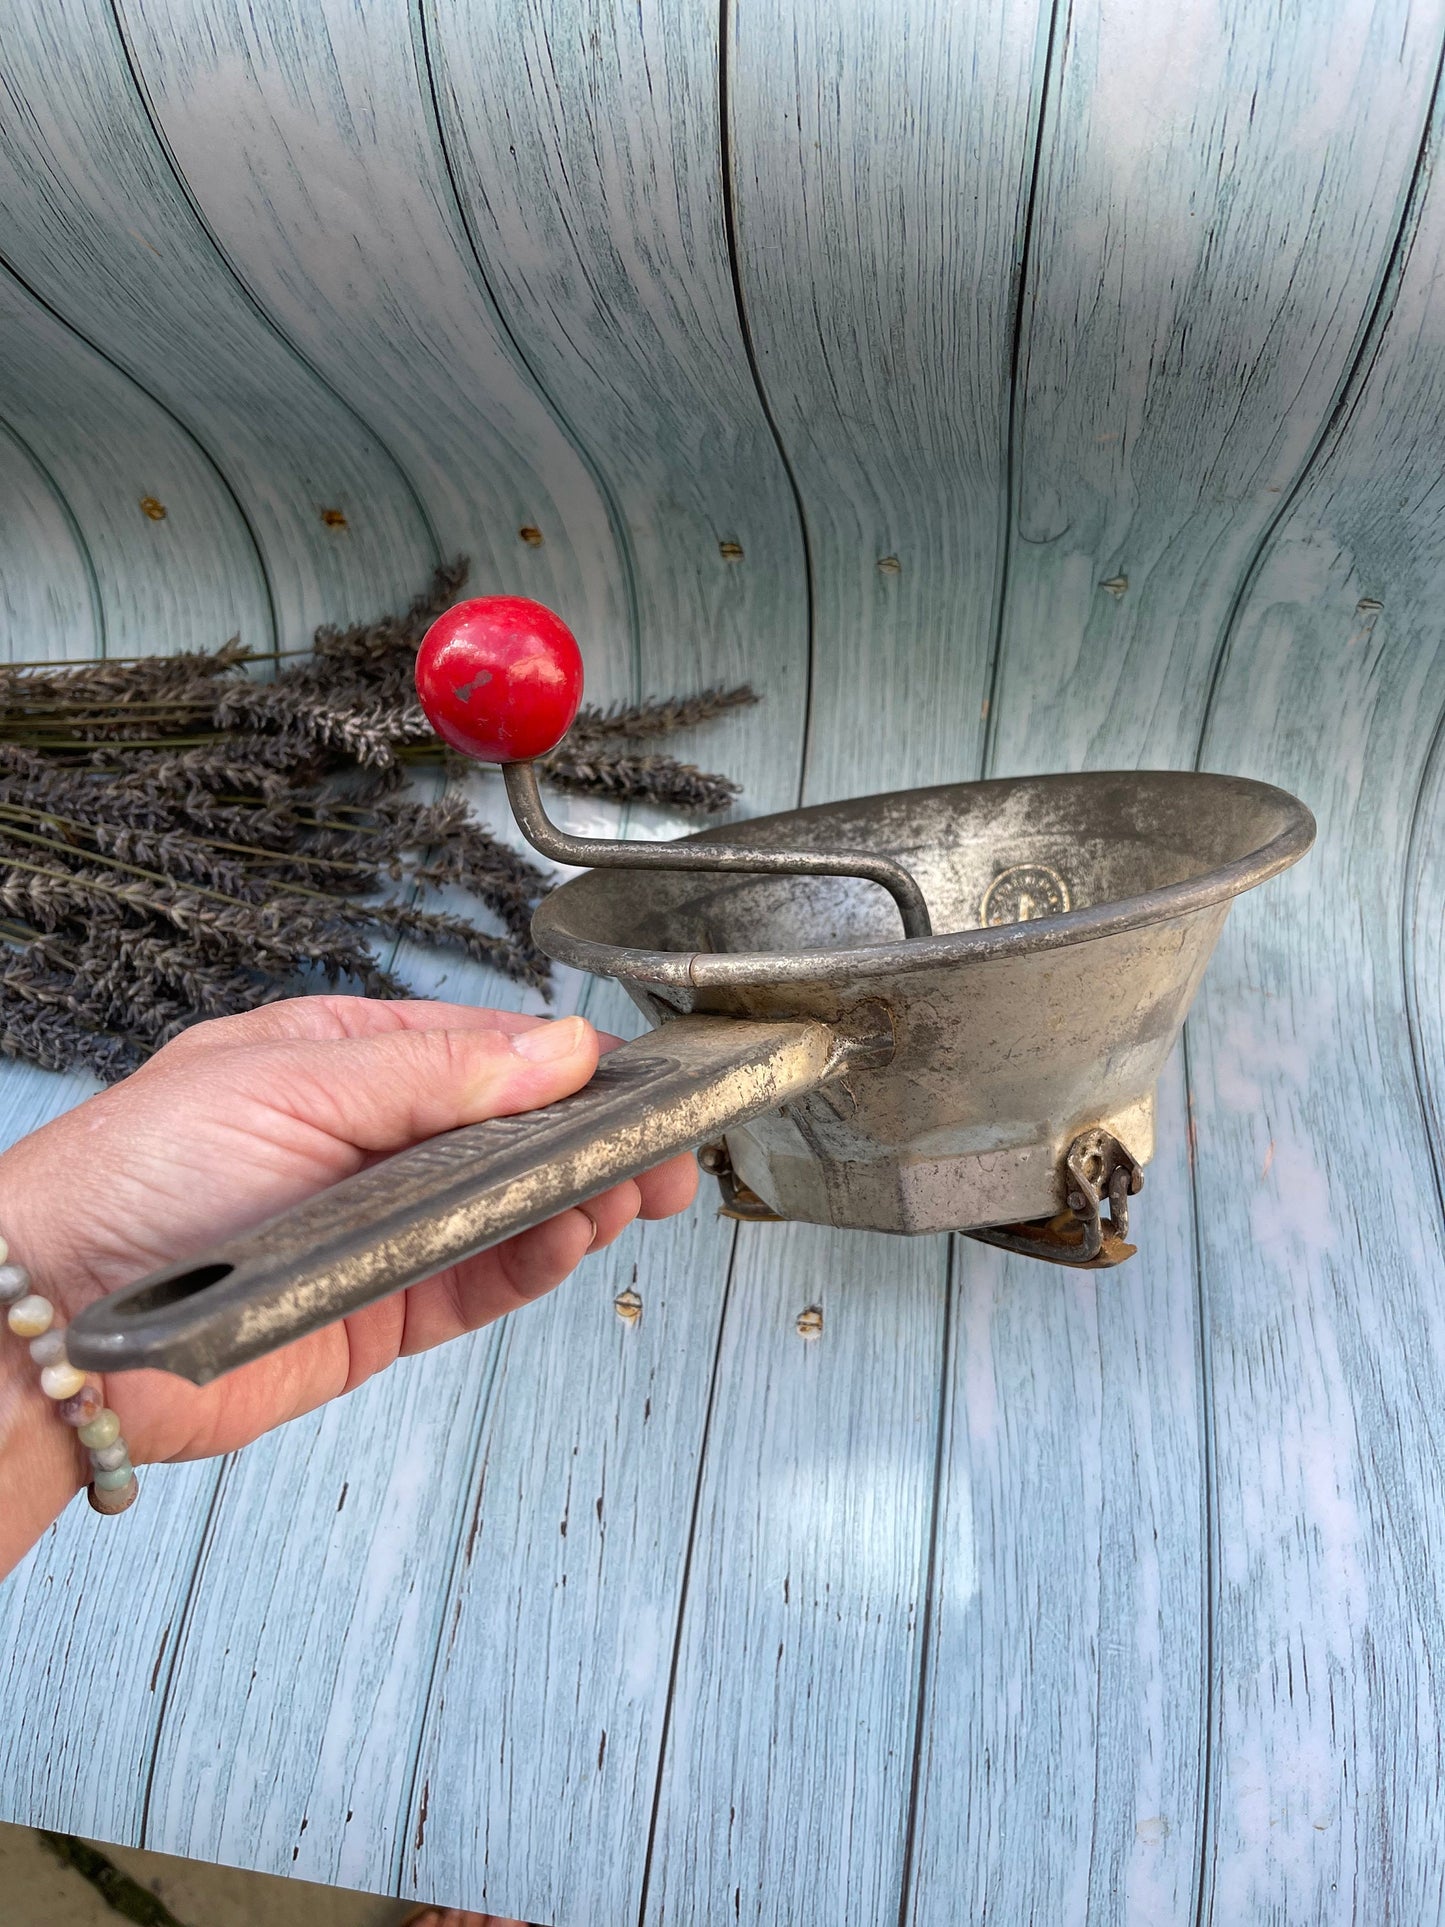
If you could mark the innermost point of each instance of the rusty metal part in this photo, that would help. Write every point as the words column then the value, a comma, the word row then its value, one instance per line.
column 1097, row 1167
column 448, row 1199
column 525, row 797
column 737, row 1200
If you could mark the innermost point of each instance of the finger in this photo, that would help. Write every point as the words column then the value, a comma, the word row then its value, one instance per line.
column 612, row 1211
column 329, row 1019
column 381, row 1093
column 669, row 1188
column 313, row 1107
column 484, row 1288
column 534, row 1261
column 537, row 1260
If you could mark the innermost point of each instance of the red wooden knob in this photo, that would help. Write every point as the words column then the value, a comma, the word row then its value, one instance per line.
column 500, row 678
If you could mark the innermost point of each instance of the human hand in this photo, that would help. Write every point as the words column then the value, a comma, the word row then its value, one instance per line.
column 241, row 1118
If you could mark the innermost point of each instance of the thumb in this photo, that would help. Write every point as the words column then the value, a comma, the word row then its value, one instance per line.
column 384, row 1092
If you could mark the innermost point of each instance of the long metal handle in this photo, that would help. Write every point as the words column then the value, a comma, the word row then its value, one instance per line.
column 445, row 1200
column 596, row 852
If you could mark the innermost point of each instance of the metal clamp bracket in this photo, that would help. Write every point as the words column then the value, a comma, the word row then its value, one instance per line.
column 1097, row 1167
column 738, row 1201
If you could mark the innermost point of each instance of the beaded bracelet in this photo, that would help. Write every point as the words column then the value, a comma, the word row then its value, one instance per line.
column 78, row 1397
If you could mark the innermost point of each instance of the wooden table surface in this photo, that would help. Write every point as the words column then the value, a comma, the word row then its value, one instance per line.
column 1072, row 382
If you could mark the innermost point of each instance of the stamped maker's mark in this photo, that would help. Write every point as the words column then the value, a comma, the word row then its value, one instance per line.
column 1027, row 891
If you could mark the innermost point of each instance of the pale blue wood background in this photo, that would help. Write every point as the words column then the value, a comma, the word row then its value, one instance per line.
column 1011, row 1597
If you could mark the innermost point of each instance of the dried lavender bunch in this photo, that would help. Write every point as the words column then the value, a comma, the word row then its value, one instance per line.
column 131, row 929
column 578, row 766
column 179, row 840
column 350, row 703
column 661, row 718
column 356, row 693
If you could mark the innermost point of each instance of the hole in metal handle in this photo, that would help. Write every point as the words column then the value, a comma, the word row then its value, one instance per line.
column 171, row 1291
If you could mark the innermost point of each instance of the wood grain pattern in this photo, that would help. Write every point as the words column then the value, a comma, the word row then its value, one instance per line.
column 308, row 140
column 553, row 1679
column 1220, row 192
column 1082, row 1718
column 1061, row 1734
column 799, row 1647
column 632, row 328
column 55, row 610
column 95, row 1606
column 881, row 161
column 187, row 581
column 94, row 220
column 289, row 1723
column 797, row 1667
column 1326, row 1359
column 584, row 143
column 1011, row 1596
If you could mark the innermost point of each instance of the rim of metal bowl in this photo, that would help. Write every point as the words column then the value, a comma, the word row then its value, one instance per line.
column 693, row 969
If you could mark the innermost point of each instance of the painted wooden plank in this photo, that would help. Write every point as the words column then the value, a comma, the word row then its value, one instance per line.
column 48, row 598
column 585, row 150
column 95, row 220
column 881, row 160
column 187, row 580
column 552, row 1681
column 1326, row 1342
column 785, row 1794
column 602, row 232
column 560, row 1636
column 309, row 142
column 1205, row 265
column 1072, row 1684
column 787, row 1779
column 1424, row 937
column 87, row 1620
column 305, row 1656
column 1060, row 1738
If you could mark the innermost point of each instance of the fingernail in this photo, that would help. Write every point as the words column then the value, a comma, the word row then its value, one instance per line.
column 548, row 1042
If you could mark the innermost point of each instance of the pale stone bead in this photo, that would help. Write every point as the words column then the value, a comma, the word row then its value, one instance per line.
column 110, row 1456
column 103, row 1429
column 113, row 1502
column 61, row 1381
column 29, row 1317
column 49, row 1348
column 4, row 1251
column 114, row 1481
column 14, row 1283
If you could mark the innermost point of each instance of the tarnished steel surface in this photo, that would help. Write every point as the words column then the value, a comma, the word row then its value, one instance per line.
column 1128, row 847
column 1010, row 1039
column 413, row 1214
column 942, row 1084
